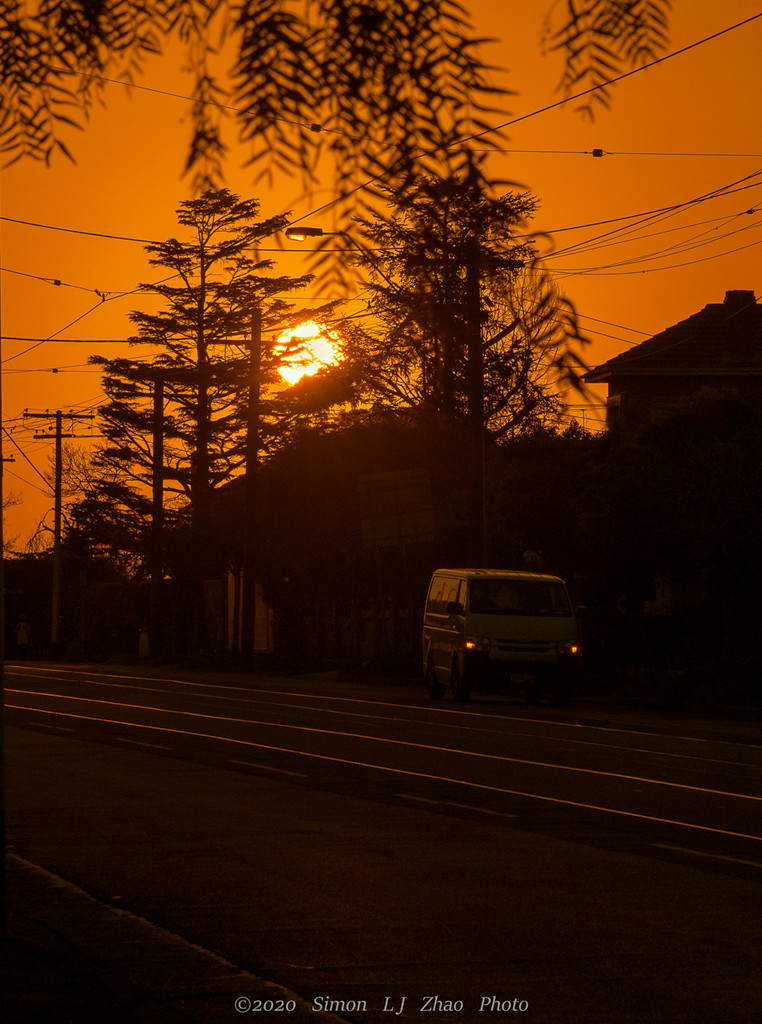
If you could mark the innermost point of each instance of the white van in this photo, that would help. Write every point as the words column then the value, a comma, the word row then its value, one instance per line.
column 483, row 625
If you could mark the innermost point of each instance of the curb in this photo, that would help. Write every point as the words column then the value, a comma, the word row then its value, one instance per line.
column 70, row 957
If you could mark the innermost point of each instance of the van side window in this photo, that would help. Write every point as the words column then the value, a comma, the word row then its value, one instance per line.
column 435, row 595
column 443, row 590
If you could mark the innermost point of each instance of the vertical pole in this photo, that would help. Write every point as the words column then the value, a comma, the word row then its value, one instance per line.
column 474, row 353
column 57, row 552
column 475, row 385
column 2, row 660
column 157, row 518
column 158, row 469
column 56, row 610
column 248, row 623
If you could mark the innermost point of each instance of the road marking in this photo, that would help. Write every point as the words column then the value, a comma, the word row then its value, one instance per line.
column 440, row 725
column 712, row 856
column 138, row 743
column 268, row 768
column 374, row 739
column 450, row 803
column 44, row 725
column 252, row 699
column 646, row 750
column 17, row 669
column 399, row 771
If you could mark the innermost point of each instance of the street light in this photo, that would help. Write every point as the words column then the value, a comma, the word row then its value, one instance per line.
column 302, row 233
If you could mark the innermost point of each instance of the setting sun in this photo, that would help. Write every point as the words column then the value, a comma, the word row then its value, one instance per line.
column 305, row 350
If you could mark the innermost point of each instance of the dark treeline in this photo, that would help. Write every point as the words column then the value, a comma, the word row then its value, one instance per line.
column 655, row 535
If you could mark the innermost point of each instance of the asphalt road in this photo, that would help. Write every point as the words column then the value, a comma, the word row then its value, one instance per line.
column 389, row 858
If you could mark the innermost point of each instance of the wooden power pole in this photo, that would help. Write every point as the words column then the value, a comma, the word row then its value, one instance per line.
column 248, row 622
column 58, row 435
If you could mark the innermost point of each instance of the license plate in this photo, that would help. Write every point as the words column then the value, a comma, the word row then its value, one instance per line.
column 522, row 678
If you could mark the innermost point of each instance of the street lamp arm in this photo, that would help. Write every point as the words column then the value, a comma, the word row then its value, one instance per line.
column 299, row 234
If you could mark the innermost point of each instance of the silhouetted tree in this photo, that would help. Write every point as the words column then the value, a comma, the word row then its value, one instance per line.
column 403, row 78
column 10, row 500
column 601, row 39
column 470, row 328
column 203, row 365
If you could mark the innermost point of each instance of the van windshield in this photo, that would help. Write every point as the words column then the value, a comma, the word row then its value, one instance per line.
column 519, row 597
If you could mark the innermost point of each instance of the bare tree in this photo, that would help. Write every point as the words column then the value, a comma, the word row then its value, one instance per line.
column 10, row 500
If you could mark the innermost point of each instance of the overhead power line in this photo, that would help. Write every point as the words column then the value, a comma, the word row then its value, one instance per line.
column 645, row 215
column 311, row 126
column 315, row 127
column 717, row 224
column 70, row 341
column 25, row 456
column 607, row 272
column 57, row 283
column 607, row 152
column 80, row 231
column 703, row 240
column 534, row 113
column 112, row 237
column 611, row 81
column 76, row 320
column 319, row 128
column 27, row 483
column 719, row 193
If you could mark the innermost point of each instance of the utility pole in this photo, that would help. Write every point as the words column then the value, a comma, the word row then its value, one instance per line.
column 2, row 658
column 475, row 382
column 157, row 521
column 248, row 623
column 58, row 435
column 474, row 345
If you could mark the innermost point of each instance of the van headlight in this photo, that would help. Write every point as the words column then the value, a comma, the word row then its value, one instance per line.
column 567, row 648
column 477, row 643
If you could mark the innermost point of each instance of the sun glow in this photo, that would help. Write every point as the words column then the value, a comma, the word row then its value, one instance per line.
column 306, row 349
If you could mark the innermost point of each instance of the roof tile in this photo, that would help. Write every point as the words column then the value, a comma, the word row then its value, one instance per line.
column 724, row 337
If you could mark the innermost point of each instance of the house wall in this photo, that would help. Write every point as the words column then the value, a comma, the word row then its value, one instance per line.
column 635, row 403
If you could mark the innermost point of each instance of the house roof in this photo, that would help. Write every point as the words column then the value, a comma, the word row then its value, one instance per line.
column 723, row 338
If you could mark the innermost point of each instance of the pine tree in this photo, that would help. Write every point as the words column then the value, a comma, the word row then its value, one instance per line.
column 199, row 353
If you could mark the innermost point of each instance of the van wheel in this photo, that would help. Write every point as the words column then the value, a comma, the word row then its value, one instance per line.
column 435, row 688
column 460, row 688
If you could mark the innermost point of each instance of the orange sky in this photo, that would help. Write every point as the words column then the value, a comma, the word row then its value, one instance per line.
column 127, row 182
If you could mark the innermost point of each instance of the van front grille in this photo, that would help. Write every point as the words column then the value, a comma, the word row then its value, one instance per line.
column 524, row 646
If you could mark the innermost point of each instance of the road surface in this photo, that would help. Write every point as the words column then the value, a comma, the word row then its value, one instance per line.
column 390, row 858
